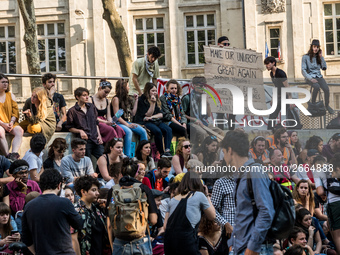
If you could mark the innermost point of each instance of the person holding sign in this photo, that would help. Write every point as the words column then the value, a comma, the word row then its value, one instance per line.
column 279, row 79
column 144, row 70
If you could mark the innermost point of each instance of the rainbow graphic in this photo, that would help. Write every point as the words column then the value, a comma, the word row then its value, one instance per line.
column 210, row 94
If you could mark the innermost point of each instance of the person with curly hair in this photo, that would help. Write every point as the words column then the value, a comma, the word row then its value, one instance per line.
column 39, row 114
column 212, row 240
column 93, row 238
column 9, row 116
column 122, row 100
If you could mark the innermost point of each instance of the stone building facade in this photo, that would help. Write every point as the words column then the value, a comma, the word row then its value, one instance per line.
column 179, row 27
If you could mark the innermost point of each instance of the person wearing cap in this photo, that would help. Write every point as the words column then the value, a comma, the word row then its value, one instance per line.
column 21, row 186
column 332, row 147
column 82, row 120
column 145, row 69
column 312, row 62
column 107, row 127
column 279, row 78
column 223, row 41
column 58, row 100
column 34, row 156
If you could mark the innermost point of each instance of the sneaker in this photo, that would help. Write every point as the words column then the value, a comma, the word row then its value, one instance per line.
column 329, row 109
column 166, row 154
column 13, row 156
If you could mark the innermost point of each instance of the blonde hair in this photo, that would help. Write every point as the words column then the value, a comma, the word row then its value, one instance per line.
column 298, row 199
column 179, row 148
column 42, row 97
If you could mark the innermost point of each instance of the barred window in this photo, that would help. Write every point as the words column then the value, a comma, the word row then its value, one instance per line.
column 7, row 50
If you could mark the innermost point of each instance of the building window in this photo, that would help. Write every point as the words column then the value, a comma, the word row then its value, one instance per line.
column 200, row 30
column 7, row 50
column 332, row 28
column 274, row 34
column 150, row 32
column 337, row 100
column 51, row 43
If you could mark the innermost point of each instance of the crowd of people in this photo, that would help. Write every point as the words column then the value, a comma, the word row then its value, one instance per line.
column 149, row 204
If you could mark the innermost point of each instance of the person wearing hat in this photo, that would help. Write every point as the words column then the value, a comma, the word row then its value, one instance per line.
column 21, row 186
column 312, row 62
column 223, row 41
column 34, row 156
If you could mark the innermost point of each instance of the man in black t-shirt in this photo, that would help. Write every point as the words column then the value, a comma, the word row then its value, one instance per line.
column 59, row 104
column 47, row 219
column 279, row 79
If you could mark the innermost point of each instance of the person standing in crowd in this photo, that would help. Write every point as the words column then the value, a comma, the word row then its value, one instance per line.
column 150, row 115
column 144, row 70
column 279, row 78
column 122, row 100
column 34, row 156
column 93, row 236
column 182, row 156
column 223, row 41
column 77, row 164
column 143, row 153
column 112, row 154
column 9, row 116
column 172, row 109
column 332, row 147
column 82, row 120
column 39, row 114
column 311, row 64
column 258, row 150
column 282, row 143
column 184, row 214
column 21, row 186
column 47, row 219
column 55, row 154
column 129, row 245
column 107, row 127
column 159, row 177
column 249, row 233
column 222, row 198
column 58, row 101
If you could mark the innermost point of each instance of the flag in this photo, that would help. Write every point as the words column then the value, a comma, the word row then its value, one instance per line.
column 267, row 50
column 279, row 51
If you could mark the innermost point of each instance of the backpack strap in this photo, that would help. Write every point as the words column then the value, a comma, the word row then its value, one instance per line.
column 251, row 194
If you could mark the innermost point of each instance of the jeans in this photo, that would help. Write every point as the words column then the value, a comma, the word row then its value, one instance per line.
column 266, row 249
column 316, row 88
column 94, row 149
column 158, row 132
column 128, row 136
column 178, row 130
column 140, row 246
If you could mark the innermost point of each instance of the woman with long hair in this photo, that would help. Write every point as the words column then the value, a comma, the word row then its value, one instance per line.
column 55, row 154
column 122, row 100
column 294, row 141
column 112, row 154
column 314, row 142
column 304, row 195
column 150, row 115
column 143, row 154
column 184, row 214
column 39, row 114
column 207, row 152
column 9, row 116
column 311, row 65
column 182, row 156
column 172, row 108
column 140, row 175
column 107, row 127
column 6, row 237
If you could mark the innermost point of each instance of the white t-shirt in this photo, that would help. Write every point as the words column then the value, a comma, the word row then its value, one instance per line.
column 33, row 161
column 323, row 182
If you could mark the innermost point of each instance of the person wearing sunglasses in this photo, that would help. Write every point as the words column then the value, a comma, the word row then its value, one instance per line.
column 182, row 156
column 223, row 41
column 107, row 127
column 55, row 154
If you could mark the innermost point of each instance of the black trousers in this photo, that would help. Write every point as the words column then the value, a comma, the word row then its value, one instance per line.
column 316, row 88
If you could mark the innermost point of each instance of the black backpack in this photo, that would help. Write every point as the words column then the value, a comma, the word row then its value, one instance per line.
column 333, row 186
column 284, row 217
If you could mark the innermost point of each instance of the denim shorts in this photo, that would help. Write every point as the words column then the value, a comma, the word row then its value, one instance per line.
column 139, row 246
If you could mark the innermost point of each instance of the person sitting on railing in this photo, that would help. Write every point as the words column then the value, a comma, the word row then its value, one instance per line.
column 57, row 100
column 107, row 127
column 9, row 116
column 39, row 114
